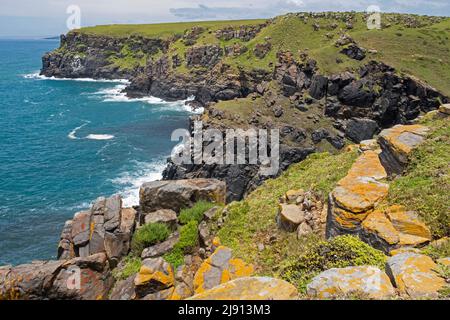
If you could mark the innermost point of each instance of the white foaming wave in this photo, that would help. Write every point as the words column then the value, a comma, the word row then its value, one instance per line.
column 117, row 94
column 38, row 76
column 72, row 134
column 132, row 180
column 99, row 137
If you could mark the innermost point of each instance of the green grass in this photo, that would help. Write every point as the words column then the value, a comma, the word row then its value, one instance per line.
column 317, row 256
column 148, row 235
column 252, row 221
column 438, row 251
column 129, row 266
column 187, row 242
column 195, row 213
column 423, row 52
column 424, row 187
column 161, row 30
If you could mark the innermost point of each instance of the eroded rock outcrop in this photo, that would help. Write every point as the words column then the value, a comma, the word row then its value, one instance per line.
column 105, row 228
column 353, row 203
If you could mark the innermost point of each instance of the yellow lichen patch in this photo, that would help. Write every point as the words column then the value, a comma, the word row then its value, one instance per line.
column 249, row 288
column 379, row 224
column 368, row 280
column 348, row 220
column 147, row 274
column 181, row 292
column 415, row 276
column 216, row 242
column 199, row 280
column 411, row 240
column 218, row 269
column 360, row 194
column 408, row 222
column 368, row 165
column 399, row 138
column 238, row 268
column 403, row 250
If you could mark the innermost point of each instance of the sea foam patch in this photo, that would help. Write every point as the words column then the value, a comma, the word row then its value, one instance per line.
column 133, row 178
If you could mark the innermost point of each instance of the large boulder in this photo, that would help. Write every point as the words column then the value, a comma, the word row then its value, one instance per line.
column 366, row 280
column 178, row 194
column 250, row 288
column 414, row 276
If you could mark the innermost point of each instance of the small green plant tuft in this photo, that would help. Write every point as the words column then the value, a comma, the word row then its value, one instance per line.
column 340, row 252
column 195, row 213
column 188, row 241
column 148, row 235
column 129, row 266
column 438, row 251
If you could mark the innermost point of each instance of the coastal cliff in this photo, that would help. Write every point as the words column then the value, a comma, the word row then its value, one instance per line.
column 322, row 89
column 360, row 192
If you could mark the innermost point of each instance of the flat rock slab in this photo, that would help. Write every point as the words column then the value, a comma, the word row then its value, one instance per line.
column 408, row 222
column 161, row 248
column 334, row 283
column 394, row 227
column 361, row 190
column 413, row 274
column 165, row 216
column 250, row 288
column 179, row 194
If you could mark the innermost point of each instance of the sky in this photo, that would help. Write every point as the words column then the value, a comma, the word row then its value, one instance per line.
column 45, row 18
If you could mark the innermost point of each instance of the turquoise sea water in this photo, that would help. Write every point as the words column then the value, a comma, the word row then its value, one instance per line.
column 63, row 143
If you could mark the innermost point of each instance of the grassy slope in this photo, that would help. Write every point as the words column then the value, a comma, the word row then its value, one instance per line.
column 161, row 30
column 424, row 187
column 252, row 221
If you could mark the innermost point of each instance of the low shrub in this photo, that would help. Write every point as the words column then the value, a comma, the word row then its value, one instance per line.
column 149, row 235
column 195, row 213
column 188, row 241
column 129, row 266
column 339, row 252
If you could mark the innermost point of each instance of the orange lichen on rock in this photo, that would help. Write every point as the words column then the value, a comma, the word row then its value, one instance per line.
column 219, row 268
column 414, row 275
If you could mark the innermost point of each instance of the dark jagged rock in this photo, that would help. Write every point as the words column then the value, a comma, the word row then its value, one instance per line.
column 354, row 52
column 361, row 129
column 89, row 56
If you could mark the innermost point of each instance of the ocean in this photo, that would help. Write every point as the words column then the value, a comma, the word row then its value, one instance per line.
column 63, row 143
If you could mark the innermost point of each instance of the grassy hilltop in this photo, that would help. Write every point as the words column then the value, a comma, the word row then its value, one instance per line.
column 416, row 45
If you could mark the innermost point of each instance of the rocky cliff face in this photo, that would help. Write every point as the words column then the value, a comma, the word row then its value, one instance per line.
column 91, row 56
